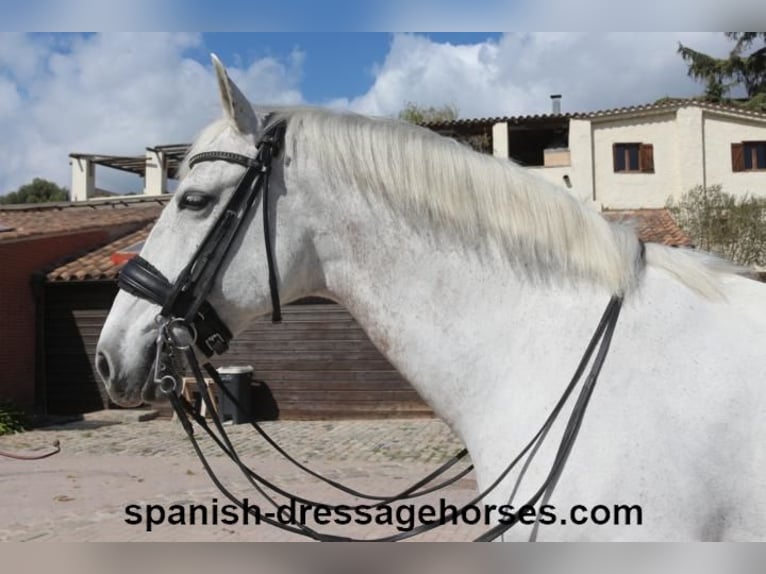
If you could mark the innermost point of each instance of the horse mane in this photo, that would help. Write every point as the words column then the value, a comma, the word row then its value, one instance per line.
column 423, row 176
column 544, row 230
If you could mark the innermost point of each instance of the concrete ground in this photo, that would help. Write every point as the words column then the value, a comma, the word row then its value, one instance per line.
column 109, row 462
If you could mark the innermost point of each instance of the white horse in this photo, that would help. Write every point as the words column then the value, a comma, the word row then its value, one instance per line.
column 482, row 284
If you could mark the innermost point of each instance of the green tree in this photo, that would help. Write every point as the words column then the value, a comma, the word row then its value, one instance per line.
column 417, row 114
column 480, row 140
column 38, row 191
column 740, row 68
column 734, row 227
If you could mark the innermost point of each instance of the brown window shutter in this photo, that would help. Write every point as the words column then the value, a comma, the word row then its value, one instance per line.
column 737, row 157
column 646, row 158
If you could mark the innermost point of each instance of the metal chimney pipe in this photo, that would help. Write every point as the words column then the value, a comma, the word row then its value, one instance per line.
column 556, row 103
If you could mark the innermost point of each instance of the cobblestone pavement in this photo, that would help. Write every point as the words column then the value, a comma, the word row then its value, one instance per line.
column 406, row 440
column 81, row 493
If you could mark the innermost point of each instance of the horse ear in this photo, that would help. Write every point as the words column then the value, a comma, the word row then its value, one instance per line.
column 235, row 105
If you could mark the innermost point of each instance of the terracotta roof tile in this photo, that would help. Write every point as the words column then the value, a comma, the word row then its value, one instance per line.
column 99, row 265
column 652, row 225
column 32, row 220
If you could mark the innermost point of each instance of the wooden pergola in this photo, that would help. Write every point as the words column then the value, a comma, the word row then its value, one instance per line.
column 155, row 167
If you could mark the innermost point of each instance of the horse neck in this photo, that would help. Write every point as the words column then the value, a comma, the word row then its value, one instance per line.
column 446, row 314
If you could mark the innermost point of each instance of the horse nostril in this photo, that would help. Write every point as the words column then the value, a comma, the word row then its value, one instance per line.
column 102, row 366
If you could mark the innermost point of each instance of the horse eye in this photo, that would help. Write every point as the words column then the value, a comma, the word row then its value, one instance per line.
column 195, row 200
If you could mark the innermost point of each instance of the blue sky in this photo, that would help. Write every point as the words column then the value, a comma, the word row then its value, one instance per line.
column 118, row 93
column 336, row 64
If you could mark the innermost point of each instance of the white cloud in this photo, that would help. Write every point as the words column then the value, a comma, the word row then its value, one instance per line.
column 517, row 74
column 112, row 94
column 10, row 100
column 119, row 93
column 20, row 56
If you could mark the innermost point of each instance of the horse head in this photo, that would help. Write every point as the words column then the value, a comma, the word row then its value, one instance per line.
column 182, row 267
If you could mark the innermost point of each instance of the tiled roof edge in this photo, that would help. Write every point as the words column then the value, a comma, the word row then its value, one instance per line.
column 95, row 203
column 626, row 110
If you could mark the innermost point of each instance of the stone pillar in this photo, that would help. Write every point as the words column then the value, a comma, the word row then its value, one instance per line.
column 582, row 161
column 500, row 139
column 156, row 179
column 83, row 178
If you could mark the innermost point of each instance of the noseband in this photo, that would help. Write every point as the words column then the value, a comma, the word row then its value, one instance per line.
column 186, row 317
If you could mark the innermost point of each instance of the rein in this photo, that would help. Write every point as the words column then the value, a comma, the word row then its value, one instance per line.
column 601, row 338
column 187, row 320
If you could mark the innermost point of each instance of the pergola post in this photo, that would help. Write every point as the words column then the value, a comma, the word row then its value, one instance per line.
column 156, row 178
column 500, row 139
column 83, row 178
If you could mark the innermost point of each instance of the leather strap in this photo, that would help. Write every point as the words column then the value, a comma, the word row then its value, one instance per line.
column 141, row 279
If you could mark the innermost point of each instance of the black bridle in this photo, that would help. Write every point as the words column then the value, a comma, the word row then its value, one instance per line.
column 185, row 308
column 187, row 319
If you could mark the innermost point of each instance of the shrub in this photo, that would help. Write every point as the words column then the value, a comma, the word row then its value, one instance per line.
column 12, row 418
column 734, row 227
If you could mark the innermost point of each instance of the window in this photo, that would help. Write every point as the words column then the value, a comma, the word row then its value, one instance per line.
column 748, row 156
column 633, row 158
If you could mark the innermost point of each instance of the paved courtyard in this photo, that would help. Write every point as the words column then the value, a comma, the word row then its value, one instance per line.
column 82, row 493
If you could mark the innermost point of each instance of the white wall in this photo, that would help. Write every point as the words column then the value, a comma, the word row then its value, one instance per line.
column 636, row 190
column 690, row 150
column 692, row 146
column 581, row 159
column 500, row 139
column 580, row 168
column 156, row 176
column 720, row 132
column 83, row 179
column 554, row 174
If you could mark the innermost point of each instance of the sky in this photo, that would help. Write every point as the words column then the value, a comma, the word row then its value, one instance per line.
column 118, row 93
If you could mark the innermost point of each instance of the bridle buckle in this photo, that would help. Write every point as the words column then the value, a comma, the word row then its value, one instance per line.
column 217, row 343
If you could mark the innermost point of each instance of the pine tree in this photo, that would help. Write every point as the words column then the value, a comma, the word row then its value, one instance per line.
column 720, row 75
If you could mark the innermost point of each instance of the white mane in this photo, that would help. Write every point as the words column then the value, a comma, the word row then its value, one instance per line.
column 423, row 176
column 426, row 177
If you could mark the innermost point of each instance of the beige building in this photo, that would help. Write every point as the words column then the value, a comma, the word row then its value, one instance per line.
column 627, row 158
column 637, row 157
